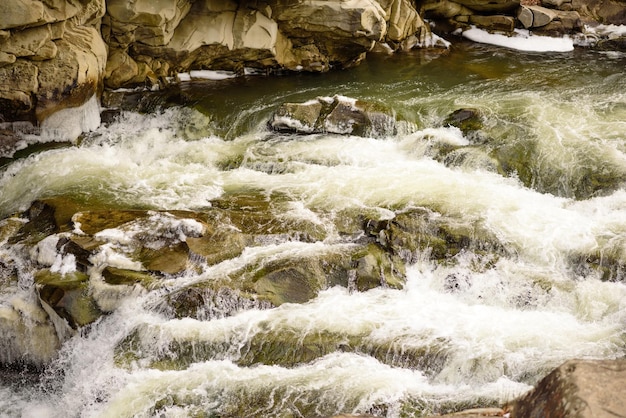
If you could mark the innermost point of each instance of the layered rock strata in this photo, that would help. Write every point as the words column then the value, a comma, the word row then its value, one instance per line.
column 59, row 54
column 52, row 56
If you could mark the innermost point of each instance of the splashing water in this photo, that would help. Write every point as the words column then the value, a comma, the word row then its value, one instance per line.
column 542, row 179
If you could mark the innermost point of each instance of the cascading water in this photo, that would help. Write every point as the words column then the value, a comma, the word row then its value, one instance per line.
column 533, row 203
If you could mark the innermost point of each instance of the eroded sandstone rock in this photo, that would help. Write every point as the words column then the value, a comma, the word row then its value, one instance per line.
column 52, row 57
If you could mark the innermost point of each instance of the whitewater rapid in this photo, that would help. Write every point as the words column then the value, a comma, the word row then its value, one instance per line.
column 477, row 329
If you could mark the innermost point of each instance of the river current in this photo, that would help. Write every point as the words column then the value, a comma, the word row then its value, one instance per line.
column 499, row 327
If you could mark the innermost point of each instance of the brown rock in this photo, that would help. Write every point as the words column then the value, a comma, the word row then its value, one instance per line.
column 499, row 23
column 493, row 6
column 578, row 388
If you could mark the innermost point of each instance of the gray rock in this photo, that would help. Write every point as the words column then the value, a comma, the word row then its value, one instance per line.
column 535, row 16
column 338, row 115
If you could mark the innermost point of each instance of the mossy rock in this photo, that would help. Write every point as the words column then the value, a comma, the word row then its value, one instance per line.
column 517, row 159
column 285, row 347
column 219, row 245
column 270, row 283
column 472, row 157
column 41, row 223
column 288, row 280
column 210, row 300
column 290, row 348
column 419, row 231
column 468, row 120
column 68, row 295
column 429, row 356
column 92, row 222
column 409, row 233
column 589, row 174
column 252, row 212
column 9, row 227
column 297, row 280
column 375, row 267
column 171, row 260
column 118, row 276
column 8, row 274
column 608, row 265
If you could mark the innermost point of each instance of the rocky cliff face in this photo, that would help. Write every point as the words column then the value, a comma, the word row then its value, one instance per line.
column 59, row 54
column 52, row 56
column 150, row 43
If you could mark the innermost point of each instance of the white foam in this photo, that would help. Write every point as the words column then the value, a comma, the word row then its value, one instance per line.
column 522, row 40
column 608, row 31
column 291, row 123
column 450, row 135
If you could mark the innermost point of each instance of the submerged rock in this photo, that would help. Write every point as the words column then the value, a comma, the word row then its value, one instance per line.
column 68, row 295
column 417, row 231
column 468, row 120
column 338, row 115
column 595, row 171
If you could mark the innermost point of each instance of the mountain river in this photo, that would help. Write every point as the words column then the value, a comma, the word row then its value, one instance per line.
column 541, row 181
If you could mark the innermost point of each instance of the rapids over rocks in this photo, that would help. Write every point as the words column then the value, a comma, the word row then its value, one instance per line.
column 184, row 259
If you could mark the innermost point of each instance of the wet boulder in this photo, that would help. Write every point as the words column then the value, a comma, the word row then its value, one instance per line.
column 337, row 115
column 417, row 231
column 577, row 388
column 68, row 296
column 494, row 6
column 282, row 277
column 468, row 120
column 298, row 280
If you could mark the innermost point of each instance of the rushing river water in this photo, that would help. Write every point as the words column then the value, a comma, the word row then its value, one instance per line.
column 487, row 330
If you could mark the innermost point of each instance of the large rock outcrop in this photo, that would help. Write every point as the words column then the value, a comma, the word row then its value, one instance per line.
column 52, row 57
column 58, row 54
column 151, row 43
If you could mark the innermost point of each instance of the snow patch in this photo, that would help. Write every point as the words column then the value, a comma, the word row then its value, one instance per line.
column 68, row 124
column 435, row 41
column 523, row 40
column 46, row 253
column 607, row 31
column 205, row 75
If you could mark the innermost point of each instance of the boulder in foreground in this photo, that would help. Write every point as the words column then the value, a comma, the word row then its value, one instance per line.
column 578, row 388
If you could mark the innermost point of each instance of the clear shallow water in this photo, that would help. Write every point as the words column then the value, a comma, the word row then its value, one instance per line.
column 484, row 339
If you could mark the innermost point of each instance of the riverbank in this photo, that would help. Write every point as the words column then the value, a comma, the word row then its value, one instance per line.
column 56, row 61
